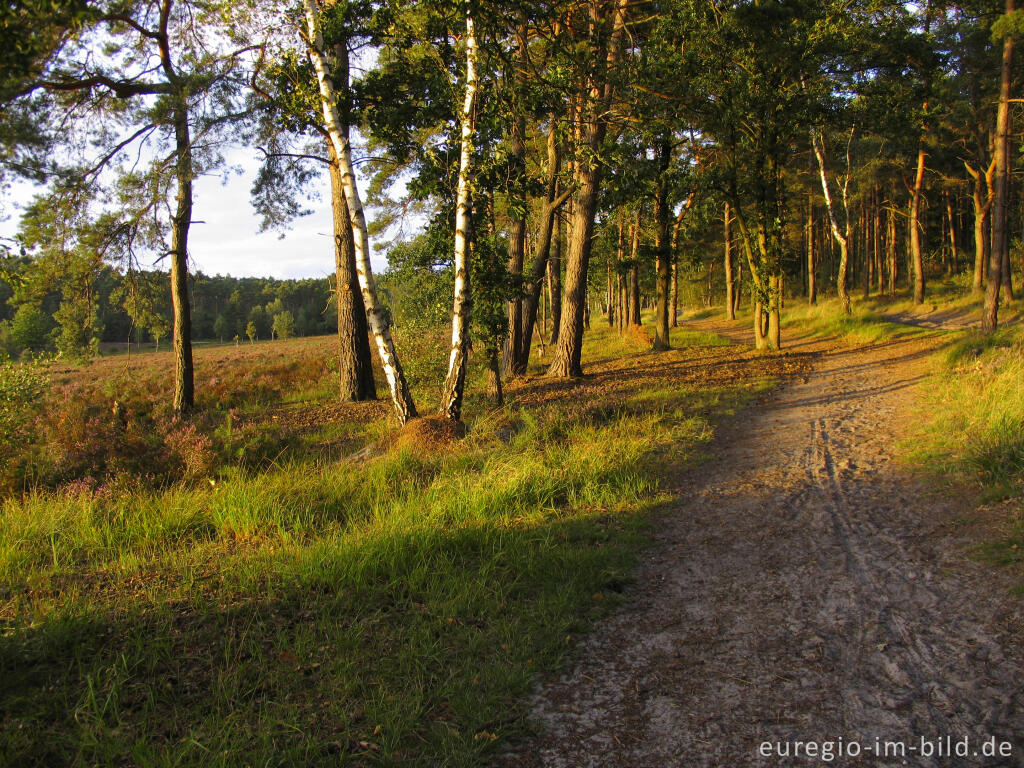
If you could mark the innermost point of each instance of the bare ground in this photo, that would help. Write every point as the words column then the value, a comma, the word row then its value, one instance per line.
column 806, row 587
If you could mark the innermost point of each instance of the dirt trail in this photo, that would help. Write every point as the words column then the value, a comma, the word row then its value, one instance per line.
column 807, row 588
column 957, row 318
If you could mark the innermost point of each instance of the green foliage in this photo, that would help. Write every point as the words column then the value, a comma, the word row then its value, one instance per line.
column 30, row 328
column 78, row 329
column 493, row 287
column 418, row 285
column 284, row 325
column 1008, row 25
column 251, row 331
column 22, row 387
column 221, row 327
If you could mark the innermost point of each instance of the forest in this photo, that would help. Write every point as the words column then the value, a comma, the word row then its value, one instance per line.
column 683, row 424
column 870, row 144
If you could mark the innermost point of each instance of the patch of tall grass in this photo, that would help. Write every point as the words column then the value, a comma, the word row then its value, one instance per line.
column 975, row 420
column 826, row 318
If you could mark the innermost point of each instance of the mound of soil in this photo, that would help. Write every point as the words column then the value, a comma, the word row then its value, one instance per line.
column 429, row 434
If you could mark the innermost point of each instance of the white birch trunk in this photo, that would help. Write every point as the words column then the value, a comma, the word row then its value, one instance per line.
column 841, row 235
column 338, row 132
column 451, row 399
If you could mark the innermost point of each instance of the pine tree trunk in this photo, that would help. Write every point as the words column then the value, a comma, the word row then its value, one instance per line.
column 914, row 224
column 774, row 335
column 355, row 368
column 620, row 280
column 739, row 283
column 812, row 286
column 609, row 288
column 184, row 381
column 890, row 248
column 517, row 208
column 337, row 130
column 999, row 258
column 550, row 225
column 983, row 196
column 634, row 274
column 866, row 258
column 555, row 272
column 876, row 243
column 455, row 381
column 663, row 220
column 730, row 286
column 587, row 173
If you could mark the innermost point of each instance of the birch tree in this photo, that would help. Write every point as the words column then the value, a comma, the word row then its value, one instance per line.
column 839, row 221
column 454, row 385
column 338, row 131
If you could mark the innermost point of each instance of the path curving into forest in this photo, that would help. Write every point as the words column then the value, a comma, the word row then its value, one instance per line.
column 806, row 587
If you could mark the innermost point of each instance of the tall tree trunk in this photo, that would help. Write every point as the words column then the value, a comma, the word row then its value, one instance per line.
column 812, row 285
column 184, row 381
column 634, row 274
column 337, row 130
column 890, row 248
column 555, row 282
column 609, row 287
column 983, row 196
column 663, row 220
column 739, row 285
column 518, row 205
column 355, row 368
column 620, row 277
column 774, row 336
column 542, row 249
column 765, row 289
column 951, row 223
column 999, row 257
column 876, row 242
column 591, row 130
column 455, row 381
column 866, row 259
column 730, row 285
column 676, row 228
column 914, row 223
column 841, row 234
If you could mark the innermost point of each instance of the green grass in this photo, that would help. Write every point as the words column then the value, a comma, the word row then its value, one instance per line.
column 324, row 612
column 972, row 427
column 974, row 421
column 863, row 326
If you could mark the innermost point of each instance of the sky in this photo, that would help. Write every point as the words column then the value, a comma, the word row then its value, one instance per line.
column 228, row 242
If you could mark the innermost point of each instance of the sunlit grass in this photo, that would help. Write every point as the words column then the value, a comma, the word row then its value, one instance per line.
column 861, row 326
column 315, row 611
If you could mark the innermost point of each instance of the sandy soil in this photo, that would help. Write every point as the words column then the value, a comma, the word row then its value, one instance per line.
column 805, row 588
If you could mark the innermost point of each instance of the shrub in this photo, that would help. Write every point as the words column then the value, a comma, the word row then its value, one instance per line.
column 30, row 328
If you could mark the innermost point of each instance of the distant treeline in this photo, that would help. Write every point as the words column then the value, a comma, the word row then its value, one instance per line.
column 43, row 315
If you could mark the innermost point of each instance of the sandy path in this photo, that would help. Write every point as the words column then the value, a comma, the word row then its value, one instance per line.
column 807, row 589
